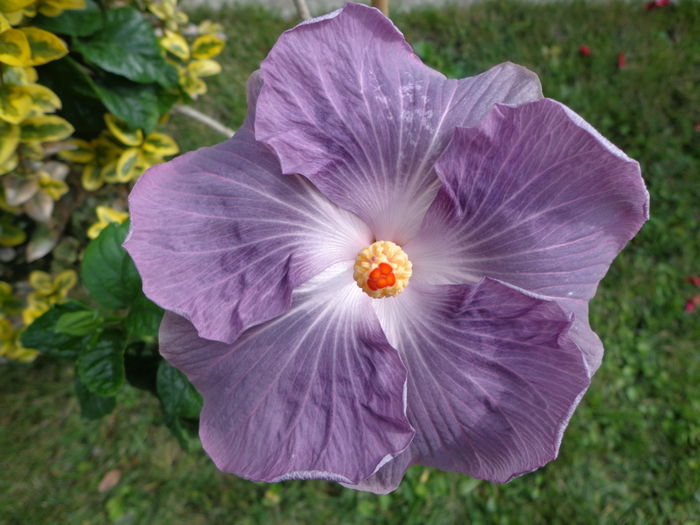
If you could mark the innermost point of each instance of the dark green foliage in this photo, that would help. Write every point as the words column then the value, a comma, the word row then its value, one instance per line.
column 82, row 322
column 44, row 335
column 115, row 66
column 136, row 104
column 101, row 365
column 81, row 105
column 125, row 45
column 107, row 270
column 74, row 22
column 93, row 406
column 144, row 318
column 181, row 404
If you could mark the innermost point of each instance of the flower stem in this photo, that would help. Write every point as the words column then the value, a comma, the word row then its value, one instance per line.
column 302, row 9
column 382, row 5
column 204, row 119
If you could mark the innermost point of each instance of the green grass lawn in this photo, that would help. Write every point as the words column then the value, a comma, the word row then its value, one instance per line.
column 632, row 451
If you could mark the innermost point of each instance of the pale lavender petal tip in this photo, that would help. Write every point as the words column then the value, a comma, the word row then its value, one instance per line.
column 493, row 378
column 221, row 238
column 541, row 202
column 314, row 394
column 346, row 103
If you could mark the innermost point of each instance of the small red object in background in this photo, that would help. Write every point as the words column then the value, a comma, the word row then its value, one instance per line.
column 692, row 303
column 656, row 3
column 696, row 127
column 585, row 51
column 621, row 61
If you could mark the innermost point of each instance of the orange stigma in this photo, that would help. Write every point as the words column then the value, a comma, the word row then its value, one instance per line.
column 382, row 269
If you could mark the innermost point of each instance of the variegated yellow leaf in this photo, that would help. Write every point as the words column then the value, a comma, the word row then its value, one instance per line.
column 65, row 4
column 11, row 235
column 4, row 24
column 9, row 138
column 52, row 187
column 79, row 151
column 204, row 68
column 91, row 177
column 9, row 165
column 207, row 46
column 46, row 128
column 192, row 85
column 15, row 49
column 105, row 147
column 29, row 11
column 7, row 6
column 19, row 76
column 174, row 43
column 36, row 307
column 14, row 17
column 180, row 18
column 64, row 281
column 45, row 46
column 146, row 161
column 128, row 165
column 207, row 27
column 95, row 229
column 14, row 351
column 15, row 105
column 41, row 282
column 108, row 172
column 32, row 149
column 50, row 10
column 44, row 99
column 160, row 11
column 107, row 214
column 160, row 144
column 122, row 132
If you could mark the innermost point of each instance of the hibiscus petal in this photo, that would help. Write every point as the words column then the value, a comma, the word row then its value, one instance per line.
column 493, row 378
column 347, row 103
column 317, row 393
column 541, row 201
column 221, row 238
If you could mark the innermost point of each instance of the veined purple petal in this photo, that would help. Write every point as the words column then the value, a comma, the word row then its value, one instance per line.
column 347, row 103
column 221, row 237
column 535, row 197
column 317, row 393
column 493, row 378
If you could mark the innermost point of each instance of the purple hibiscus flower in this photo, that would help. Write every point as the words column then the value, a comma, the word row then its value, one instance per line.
column 385, row 267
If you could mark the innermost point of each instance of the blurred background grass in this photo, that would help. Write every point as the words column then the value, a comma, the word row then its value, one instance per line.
column 631, row 453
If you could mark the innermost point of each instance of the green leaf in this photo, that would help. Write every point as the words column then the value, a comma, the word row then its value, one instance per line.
column 82, row 22
column 127, row 46
column 45, row 128
column 42, row 334
column 93, row 406
column 186, row 431
column 81, row 104
column 79, row 323
column 181, row 404
column 144, row 317
column 136, row 104
column 166, row 99
column 178, row 396
column 107, row 270
column 141, row 368
column 101, row 366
